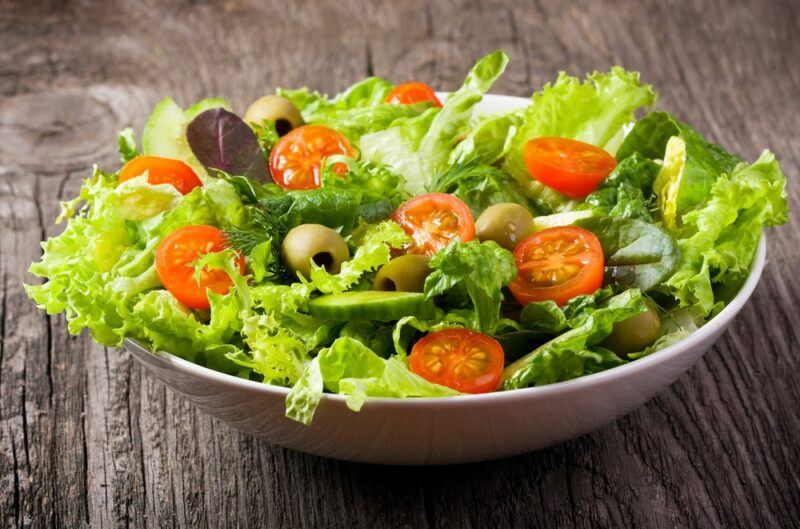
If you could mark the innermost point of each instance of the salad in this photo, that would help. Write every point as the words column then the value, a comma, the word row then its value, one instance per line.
column 388, row 242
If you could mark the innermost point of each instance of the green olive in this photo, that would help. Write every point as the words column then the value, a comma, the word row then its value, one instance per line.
column 506, row 224
column 406, row 273
column 277, row 109
column 635, row 333
column 315, row 243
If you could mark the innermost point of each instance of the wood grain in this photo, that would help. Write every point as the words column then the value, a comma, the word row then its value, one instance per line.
column 87, row 439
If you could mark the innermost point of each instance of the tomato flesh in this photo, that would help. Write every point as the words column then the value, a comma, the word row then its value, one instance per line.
column 557, row 264
column 571, row 167
column 161, row 171
column 467, row 361
column 413, row 92
column 433, row 220
column 296, row 160
column 174, row 264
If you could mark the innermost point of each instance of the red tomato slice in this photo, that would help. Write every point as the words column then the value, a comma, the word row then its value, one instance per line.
column 161, row 171
column 296, row 160
column 433, row 221
column 174, row 258
column 571, row 167
column 467, row 361
column 412, row 92
column 557, row 264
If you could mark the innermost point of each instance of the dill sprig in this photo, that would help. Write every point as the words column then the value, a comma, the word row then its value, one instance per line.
column 265, row 225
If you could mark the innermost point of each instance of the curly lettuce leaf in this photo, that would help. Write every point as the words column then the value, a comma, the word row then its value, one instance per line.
column 358, row 121
column 482, row 270
column 373, row 250
column 594, row 111
column 368, row 92
column 376, row 183
column 718, row 239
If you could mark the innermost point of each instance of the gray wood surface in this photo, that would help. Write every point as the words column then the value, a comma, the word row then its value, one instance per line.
column 87, row 439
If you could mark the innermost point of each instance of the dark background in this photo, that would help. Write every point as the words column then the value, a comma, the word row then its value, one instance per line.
column 87, row 439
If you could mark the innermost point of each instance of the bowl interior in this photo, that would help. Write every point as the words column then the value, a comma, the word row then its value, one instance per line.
column 490, row 104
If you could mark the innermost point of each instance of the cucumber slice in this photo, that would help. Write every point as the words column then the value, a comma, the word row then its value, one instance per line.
column 371, row 305
column 164, row 133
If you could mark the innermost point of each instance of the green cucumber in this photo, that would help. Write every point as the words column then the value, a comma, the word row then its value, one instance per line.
column 371, row 305
column 207, row 104
column 164, row 133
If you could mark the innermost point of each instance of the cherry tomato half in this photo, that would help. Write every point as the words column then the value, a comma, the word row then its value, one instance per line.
column 296, row 160
column 412, row 92
column 433, row 221
column 174, row 258
column 571, row 167
column 467, row 361
column 557, row 264
column 161, row 171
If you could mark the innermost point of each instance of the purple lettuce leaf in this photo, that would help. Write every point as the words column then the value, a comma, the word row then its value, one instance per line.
column 222, row 140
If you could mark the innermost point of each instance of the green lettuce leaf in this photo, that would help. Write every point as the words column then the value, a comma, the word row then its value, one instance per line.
column 594, row 111
column 691, row 165
column 139, row 199
column 637, row 254
column 575, row 352
column 481, row 269
column 718, row 239
column 488, row 141
column 359, row 110
column 479, row 186
column 373, row 250
column 355, row 122
column 419, row 147
column 350, row 368
column 368, row 92
column 627, row 191
column 126, row 144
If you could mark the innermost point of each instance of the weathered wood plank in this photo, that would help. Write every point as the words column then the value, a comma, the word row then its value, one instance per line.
column 87, row 439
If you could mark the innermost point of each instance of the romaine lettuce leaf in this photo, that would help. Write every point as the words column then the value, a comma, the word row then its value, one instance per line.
column 594, row 111
column 690, row 167
column 419, row 147
column 575, row 352
column 488, row 141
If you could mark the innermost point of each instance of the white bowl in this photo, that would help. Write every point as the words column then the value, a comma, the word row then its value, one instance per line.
column 426, row 431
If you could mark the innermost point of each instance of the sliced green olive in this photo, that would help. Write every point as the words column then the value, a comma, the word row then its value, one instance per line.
column 406, row 273
column 635, row 333
column 315, row 243
column 506, row 224
column 277, row 109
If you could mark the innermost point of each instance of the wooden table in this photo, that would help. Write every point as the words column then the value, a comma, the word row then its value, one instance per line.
column 87, row 439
